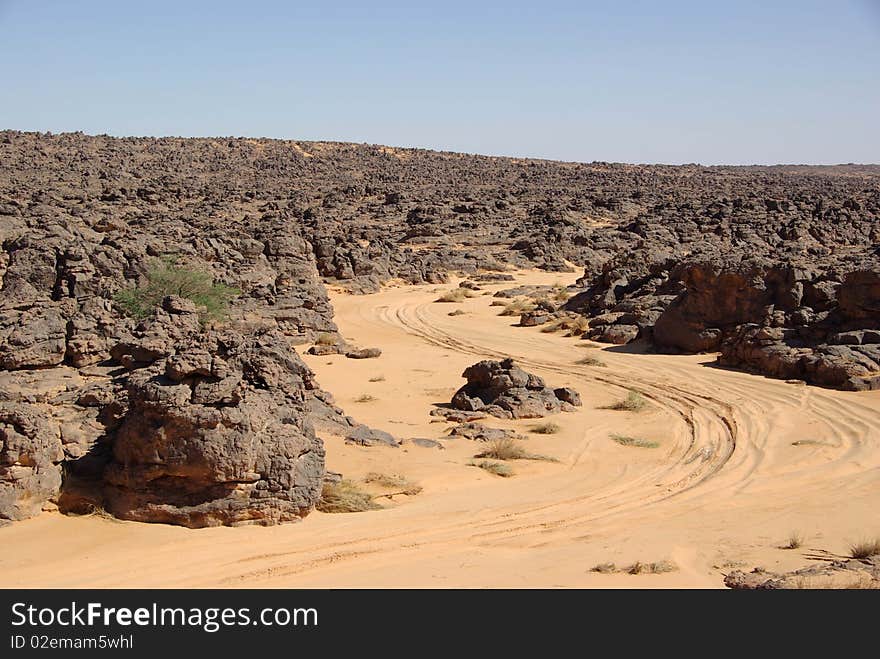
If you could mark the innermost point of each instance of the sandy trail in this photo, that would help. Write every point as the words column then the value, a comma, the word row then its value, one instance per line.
column 725, row 488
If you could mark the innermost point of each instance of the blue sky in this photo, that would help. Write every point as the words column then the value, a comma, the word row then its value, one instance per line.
column 628, row 81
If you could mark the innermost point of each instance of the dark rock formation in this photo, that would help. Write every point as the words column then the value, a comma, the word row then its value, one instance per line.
column 83, row 217
column 216, row 430
column 504, row 390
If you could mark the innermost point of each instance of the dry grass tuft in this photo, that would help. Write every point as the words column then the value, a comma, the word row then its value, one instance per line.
column 325, row 339
column 590, row 361
column 547, row 428
column 795, row 540
column 604, row 568
column 634, row 402
column 517, row 307
column 865, row 548
column 365, row 398
column 660, row 567
column 377, row 378
column 393, row 482
column 345, row 497
column 497, row 468
column 455, row 295
column 624, row 440
column 507, row 449
column 858, row 582
column 503, row 449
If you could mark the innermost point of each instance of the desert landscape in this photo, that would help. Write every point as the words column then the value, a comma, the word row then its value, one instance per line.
column 270, row 363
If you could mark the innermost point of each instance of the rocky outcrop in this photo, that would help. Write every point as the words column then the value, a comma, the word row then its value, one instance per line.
column 504, row 390
column 84, row 217
column 30, row 460
column 216, row 430
column 834, row 343
column 718, row 297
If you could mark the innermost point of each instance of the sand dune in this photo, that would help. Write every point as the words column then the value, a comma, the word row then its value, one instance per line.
column 742, row 462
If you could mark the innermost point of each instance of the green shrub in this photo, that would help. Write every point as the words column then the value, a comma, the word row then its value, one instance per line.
column 165, row 278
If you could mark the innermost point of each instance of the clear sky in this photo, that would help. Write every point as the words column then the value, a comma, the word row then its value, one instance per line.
column 710, row 81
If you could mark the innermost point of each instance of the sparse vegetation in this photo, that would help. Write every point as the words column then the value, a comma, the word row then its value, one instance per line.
column 517, row 307
column 497, row 468
column 604, row 568
column 365, row 398
column 624, row 440
column 503, row 449
column 325, row 339
column 455, row 295
column 377, row 378
column 560, row 293
column 393, row 481
column 546, row 428
column 857, row 582
column 457, row 312
column 659, row 567
column 345, row 497
column 590, row 361
column 165, row 277
column 865, row 548
column 634, row 402
column 795, row 540
column 507, row 449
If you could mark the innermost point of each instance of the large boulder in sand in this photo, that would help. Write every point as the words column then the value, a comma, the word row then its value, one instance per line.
column 504, row 390
column 216, row 431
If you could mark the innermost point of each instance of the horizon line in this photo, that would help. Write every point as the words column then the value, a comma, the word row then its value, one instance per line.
column 437, row 150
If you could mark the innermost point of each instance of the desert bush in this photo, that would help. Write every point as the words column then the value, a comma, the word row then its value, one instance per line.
column 623, row 440
column 590, row 361
column 377, row 378
column 546, row 428
column 365, row 398
column 164, row 277
column 345, row 497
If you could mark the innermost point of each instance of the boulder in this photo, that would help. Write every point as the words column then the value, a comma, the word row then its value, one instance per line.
column 504, row 390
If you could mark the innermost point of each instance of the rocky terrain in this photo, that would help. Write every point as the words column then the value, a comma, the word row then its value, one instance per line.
column 173, row 416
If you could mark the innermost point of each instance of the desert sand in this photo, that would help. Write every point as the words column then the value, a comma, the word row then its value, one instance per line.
column 724, row 489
